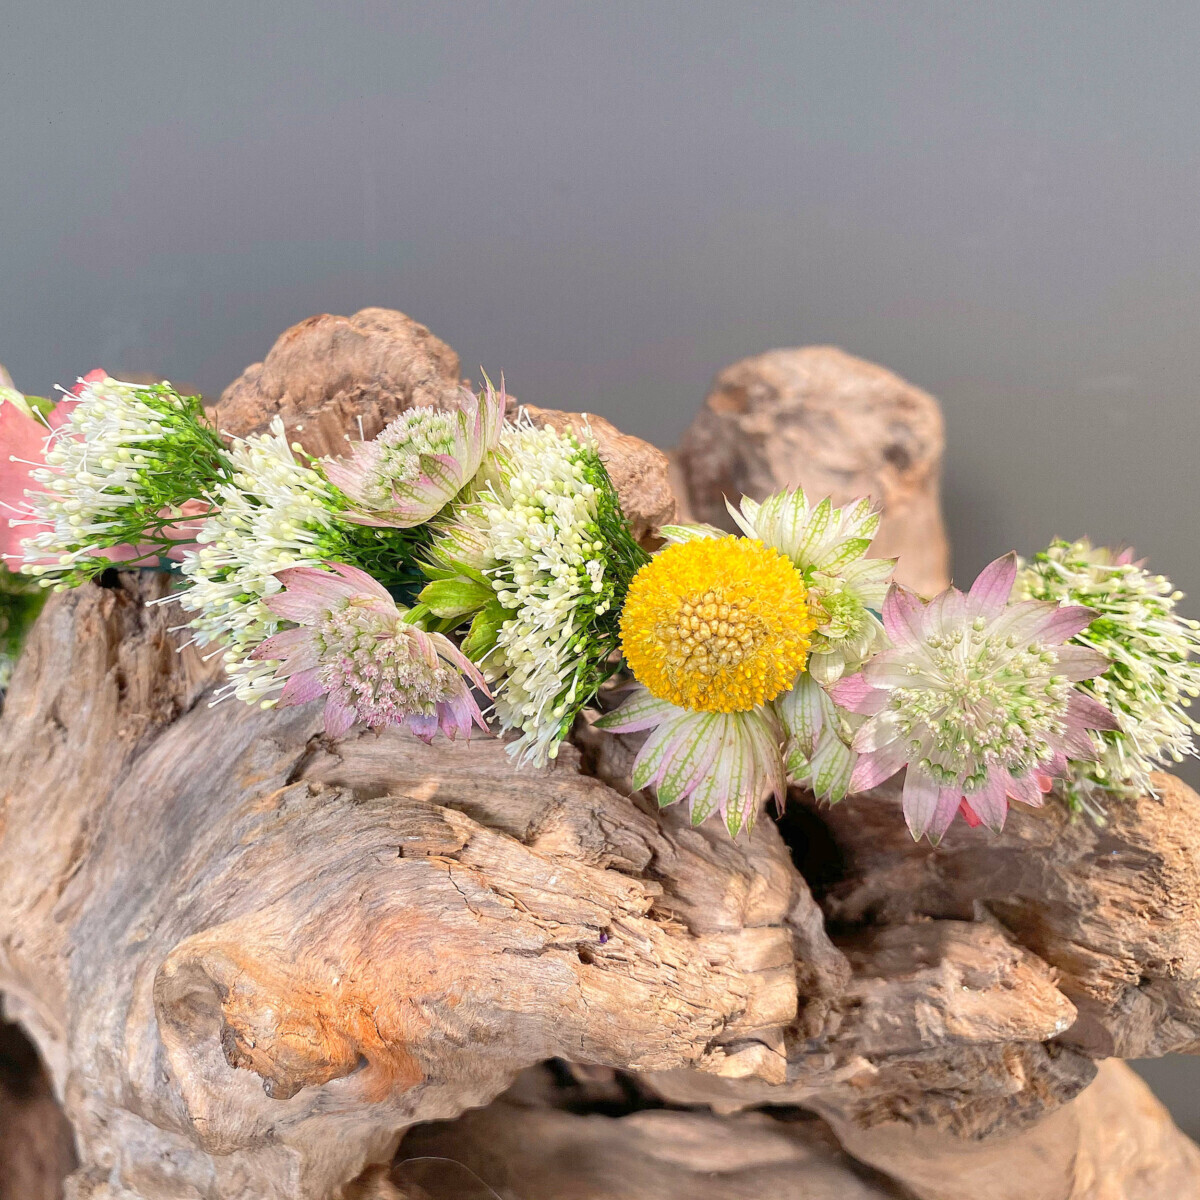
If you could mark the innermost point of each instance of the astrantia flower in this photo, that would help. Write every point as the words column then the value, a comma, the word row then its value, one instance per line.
column 725, row 762
column 273, row 512
column 356, row 648
column 1153, row 674
column 419, row 463
column 542, row 554
column 975, row 699
column 117, row 475
column 827, row 546
column 820, row 738
column 717, row 624
column 713, row 628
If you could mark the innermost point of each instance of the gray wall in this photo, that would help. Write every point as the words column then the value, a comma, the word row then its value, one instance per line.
column 610, row 201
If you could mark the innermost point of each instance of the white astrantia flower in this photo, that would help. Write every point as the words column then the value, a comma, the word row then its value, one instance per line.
column 820, row 739
column 546, row 553
column 354, row 647
column 974, row 701
column 827, row 545
column 420, row 462
column 273, row 513
column 1154, row 673
column 725, row 762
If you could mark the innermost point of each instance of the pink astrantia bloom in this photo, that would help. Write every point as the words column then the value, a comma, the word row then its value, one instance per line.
column 975, row 699
column 722, row 762
column 354, row 647
column 419, row 463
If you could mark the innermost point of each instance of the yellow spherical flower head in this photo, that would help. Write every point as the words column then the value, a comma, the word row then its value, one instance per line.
column 717, row 624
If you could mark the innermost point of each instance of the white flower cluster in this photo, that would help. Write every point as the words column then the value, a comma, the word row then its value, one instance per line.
column 1154, row 673
column 533, row 529
column 274, row 513
column 111, row 455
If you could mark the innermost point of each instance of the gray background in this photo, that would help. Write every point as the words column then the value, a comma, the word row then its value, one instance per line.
column 610, row 201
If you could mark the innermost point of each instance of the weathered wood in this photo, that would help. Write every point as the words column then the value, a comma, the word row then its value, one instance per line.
column 1115, row 909
column 838, row 425
column 37, row 1149
column 327, row 374
column 252, row 957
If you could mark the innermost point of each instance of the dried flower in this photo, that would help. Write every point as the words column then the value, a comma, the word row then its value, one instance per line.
column 540, row 555
column 356, row 648
column 724, row 762
column 975, row 699
column 716, row 624
column 419, row 463
column 1153, row 674
column 713, row 629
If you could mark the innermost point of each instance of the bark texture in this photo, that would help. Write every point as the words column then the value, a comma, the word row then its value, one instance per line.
column 254, row 959
column 327, row 373
column 838, row 426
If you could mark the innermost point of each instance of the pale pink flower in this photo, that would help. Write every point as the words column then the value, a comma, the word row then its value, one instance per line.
column 23, row 443
column 354, row 647
column 420, row 462
column 975, row 700
column 725, row 762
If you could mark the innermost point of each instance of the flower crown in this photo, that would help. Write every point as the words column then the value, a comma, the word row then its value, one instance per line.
column 461, row 557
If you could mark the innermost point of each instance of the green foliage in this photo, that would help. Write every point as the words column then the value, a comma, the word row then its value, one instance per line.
column 20, row 602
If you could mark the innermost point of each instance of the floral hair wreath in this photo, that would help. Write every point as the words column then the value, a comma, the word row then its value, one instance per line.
column 460, row 557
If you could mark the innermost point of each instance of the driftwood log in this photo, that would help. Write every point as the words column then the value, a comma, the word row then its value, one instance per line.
column 260, row 963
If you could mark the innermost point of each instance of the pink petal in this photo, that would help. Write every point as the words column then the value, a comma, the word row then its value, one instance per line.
column 1025, row 788
column 944, row 613
column 301, row 688
column 21, row 437
column 339, row 717
column 991, row 801
column 96, row 375
column 921, row 792
column 294, row 647
column 993, row 586
column 425, row 727
column 363, row 584
column 1078, row 662
column 872, row 769
column 949, row 803
column 1088, row 712
column 1064, row 623
column 903, row 612
column 891, row 668
column 447, row 650
column 1077, row 742
column 969, row 815
column 855, row 694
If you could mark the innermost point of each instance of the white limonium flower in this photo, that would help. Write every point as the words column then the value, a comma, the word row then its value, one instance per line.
column 118, row 474
column 1153, row 676
column 273, row 513
column 542, row 553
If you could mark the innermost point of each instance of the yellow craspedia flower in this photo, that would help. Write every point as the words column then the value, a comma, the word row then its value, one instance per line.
column 717, row 624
